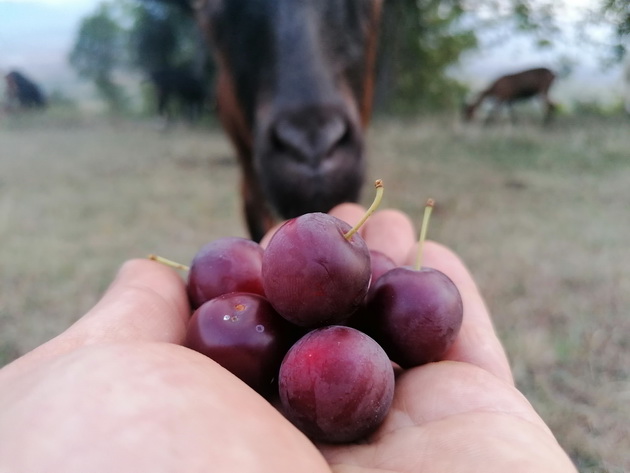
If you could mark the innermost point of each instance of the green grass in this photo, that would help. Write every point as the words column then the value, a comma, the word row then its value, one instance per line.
column 540, row 217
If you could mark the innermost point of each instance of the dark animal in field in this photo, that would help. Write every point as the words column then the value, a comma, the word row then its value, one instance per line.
column 294, row 93
column 508, row 89
column 179, row 87
column 22, row 93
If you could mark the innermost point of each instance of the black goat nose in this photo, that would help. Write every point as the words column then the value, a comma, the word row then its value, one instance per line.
column 310, row 135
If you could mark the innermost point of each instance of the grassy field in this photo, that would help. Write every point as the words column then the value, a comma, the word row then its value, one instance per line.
column 540, row 217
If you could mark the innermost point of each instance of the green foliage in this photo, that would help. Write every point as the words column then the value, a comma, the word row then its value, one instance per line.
column 617, row 12
column 420, row 40
column 538, row 18
column 141, row 35
column 527, row 18
column 97, row 53
column 153, row 39
column 594, row 108
column 161, row 35
column 113, row 94
column 60, row 99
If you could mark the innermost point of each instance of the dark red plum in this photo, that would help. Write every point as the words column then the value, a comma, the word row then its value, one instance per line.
column 312, row 274
column 414, row 315
column 380, row 263
column 244, row 334
column 336, row 384
column 230, row 264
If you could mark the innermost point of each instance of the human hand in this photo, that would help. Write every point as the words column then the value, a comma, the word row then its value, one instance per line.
column 117, row 392
column 460, row 414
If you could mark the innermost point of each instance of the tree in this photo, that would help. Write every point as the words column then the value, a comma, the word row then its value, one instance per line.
column 164, row 35
column 618, row 13
column 504, row 19
column 138, row 36
column 97, row 52
column 420, row 39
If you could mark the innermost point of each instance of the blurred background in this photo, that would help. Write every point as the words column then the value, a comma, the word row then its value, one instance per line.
column 433, row 53
column 539, row 214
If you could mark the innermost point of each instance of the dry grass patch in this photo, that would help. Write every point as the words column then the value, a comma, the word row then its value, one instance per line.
column 540, row 217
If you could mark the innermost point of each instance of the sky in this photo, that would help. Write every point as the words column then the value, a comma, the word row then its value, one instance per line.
column 57, row 21
column 588, row 78
column 42, row 47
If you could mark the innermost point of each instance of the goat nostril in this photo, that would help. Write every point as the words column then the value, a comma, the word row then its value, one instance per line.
column 309, row 137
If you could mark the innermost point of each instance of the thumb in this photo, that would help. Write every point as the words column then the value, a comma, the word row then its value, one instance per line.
column 147, row 301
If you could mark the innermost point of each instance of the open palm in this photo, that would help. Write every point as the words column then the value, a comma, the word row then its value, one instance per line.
column 462, row 413
column 118, row 392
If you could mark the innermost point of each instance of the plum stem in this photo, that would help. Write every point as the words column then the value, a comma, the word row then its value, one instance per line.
column 168, row 262
column 377, row 200
column 428, row 208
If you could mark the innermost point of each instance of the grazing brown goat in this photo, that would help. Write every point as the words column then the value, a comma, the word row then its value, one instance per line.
column 513, row 88
column 294, row 93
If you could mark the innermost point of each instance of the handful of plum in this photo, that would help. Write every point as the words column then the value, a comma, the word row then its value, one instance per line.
column 316, row 320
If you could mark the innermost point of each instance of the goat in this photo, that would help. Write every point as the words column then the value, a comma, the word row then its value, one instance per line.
column 294, row 93
column 23, row 93
column 512, row 88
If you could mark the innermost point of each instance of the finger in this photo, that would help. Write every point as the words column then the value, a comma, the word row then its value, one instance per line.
column 146, row 302
column 143, row 407
column 264, row 242
column 477, row 342
column 391, row 232
column 348, row 212
column 457, row 388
